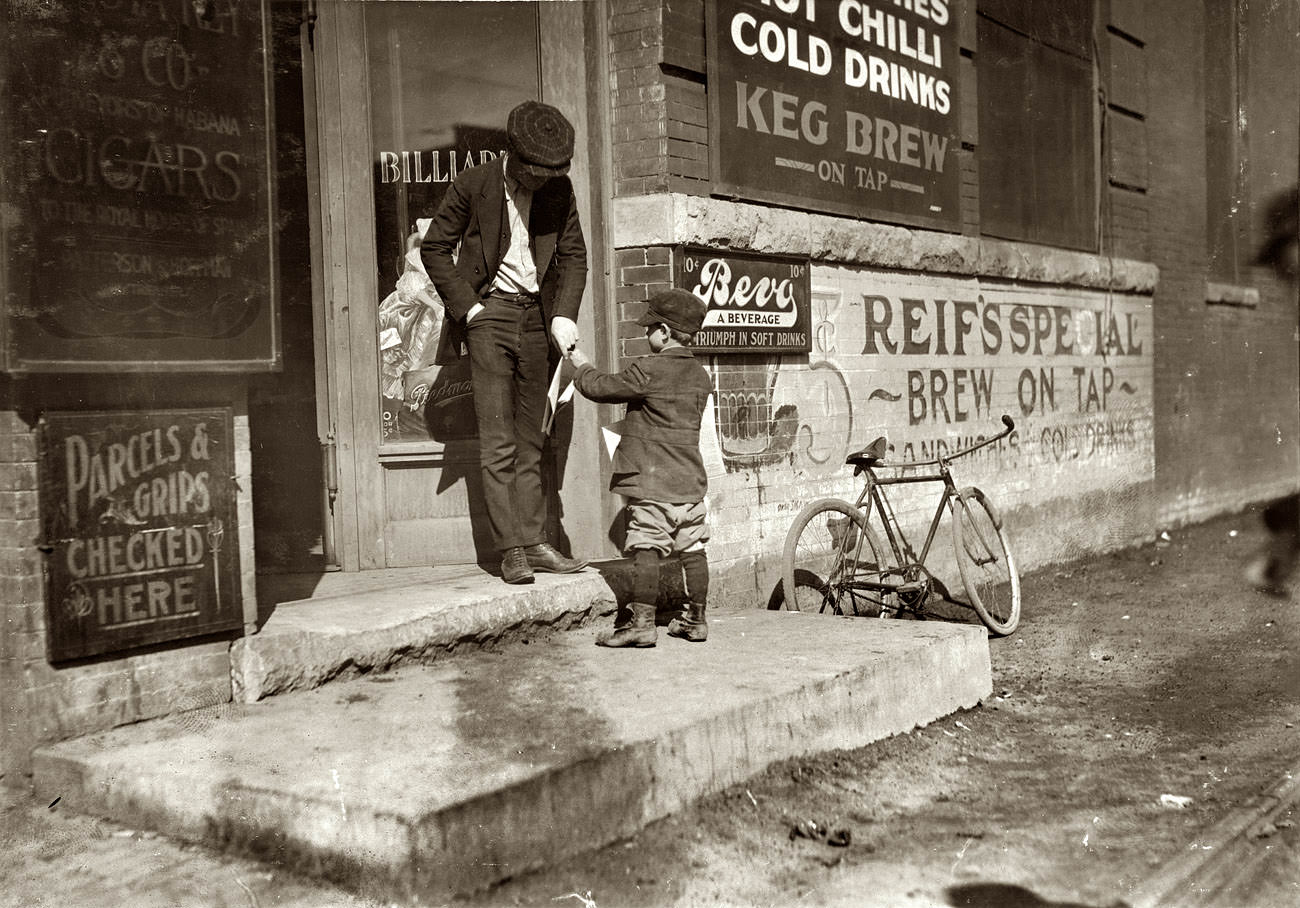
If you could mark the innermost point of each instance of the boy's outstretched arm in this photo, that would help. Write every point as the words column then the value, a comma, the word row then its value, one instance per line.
column 609, row 388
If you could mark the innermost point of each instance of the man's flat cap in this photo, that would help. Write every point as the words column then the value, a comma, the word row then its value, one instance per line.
column 540, row 138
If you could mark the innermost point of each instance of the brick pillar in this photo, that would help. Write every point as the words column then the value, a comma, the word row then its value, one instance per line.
column 22, row 609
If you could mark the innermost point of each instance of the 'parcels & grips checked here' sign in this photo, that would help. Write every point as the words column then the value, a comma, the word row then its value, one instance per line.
column 141, row 528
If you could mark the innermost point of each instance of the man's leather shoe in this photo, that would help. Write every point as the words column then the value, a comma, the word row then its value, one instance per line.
column 514, row 566
column 547, row 559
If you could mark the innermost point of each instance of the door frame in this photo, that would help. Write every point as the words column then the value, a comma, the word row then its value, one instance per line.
column 346, row 294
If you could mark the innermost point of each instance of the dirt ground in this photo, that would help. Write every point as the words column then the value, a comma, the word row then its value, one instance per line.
column 1133, row 676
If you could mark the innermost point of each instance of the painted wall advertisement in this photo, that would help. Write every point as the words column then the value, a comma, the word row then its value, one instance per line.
column 141, row 529
column 838, row 105
column 757, row 303
column 138, row 181
column 934, row 362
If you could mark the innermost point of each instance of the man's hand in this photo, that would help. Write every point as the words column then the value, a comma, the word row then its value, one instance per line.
column 565, row 333
column 473, row 311
column 578, row 358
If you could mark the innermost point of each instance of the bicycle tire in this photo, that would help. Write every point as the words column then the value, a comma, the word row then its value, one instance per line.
column 988, row 569
column 813, row 559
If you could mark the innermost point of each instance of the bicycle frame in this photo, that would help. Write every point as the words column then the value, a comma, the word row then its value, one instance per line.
column 873, row 497
column 910, row 565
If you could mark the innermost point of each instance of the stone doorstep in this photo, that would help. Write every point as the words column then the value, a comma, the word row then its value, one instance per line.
column 306, row 643
column 445, row 778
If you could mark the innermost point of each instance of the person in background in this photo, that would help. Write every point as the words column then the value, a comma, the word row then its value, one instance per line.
column 658, row 467
column 1271, row 570
column 519, row 273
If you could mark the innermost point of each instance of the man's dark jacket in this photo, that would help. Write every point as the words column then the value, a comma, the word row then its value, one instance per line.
column 473, row 216
column 658, row 457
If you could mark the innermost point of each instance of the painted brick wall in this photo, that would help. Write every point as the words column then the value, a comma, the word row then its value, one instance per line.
column 42, row 703
column 1077, row 478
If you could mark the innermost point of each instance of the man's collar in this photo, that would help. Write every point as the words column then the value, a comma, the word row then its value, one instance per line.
column 512, row 185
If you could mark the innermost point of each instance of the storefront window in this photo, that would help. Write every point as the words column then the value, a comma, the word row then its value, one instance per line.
column 444, row 76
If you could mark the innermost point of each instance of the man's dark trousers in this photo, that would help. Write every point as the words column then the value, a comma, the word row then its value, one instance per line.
column 508, row 354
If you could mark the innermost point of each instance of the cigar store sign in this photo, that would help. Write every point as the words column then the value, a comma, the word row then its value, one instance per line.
column 756, row 303
column 842, row 106
column 141, row 529
column 137, row 183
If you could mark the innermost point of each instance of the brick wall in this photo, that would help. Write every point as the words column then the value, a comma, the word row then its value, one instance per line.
column 40, row 702
column 1226, row 375
column 659, row 107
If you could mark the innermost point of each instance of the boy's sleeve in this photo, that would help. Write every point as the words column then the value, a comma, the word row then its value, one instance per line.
column 612, row 388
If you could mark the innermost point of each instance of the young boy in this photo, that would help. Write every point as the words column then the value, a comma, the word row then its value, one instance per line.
column 657, row 465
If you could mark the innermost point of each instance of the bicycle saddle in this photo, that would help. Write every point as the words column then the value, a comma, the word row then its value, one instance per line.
column 869, row 456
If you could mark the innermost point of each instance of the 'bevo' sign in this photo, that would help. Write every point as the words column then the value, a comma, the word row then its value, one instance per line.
column 138, row 186
column 141, row 528
column 842, row 106
column 757, row 303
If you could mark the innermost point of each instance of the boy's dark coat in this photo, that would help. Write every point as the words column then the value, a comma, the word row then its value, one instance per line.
column 658, row 457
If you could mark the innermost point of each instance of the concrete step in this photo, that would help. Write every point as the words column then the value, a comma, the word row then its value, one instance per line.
column 444, row 778
column 422, row 615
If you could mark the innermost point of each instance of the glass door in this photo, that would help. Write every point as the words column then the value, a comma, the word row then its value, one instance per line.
column 407, row 96
column 444, row 77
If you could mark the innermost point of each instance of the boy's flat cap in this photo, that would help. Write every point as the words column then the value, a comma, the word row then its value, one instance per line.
column 678, row 309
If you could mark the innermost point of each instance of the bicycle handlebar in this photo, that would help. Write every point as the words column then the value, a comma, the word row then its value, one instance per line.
column 939, row 461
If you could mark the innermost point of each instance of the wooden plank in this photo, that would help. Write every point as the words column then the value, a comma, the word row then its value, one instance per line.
column 330, row 28
column 566, row 31
column 361, row 294
column 322, row 324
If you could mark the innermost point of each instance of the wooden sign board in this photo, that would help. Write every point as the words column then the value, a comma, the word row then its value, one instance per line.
column 138, row 184
column 847, row 108
column 139, row 512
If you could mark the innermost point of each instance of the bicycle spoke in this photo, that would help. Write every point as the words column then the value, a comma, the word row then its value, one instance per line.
column 989, row 574
column 829, row 553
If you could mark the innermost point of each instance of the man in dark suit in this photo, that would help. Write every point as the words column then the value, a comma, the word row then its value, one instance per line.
column 520, row 271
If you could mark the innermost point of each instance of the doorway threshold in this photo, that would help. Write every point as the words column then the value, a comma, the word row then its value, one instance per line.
column 301, row 587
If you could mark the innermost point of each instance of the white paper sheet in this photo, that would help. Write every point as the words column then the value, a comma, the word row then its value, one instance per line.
column 710, row 448
column 612, row 434
column 555, row 398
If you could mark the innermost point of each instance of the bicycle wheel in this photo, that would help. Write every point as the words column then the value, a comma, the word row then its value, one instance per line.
column 819, row 561
column 984, row 558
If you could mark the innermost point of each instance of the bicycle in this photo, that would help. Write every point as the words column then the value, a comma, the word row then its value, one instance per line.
column 824, row 564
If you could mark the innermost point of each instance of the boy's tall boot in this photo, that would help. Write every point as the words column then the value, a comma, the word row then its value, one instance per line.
column 635, row 625
column 636, row 629
column 691, row 625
